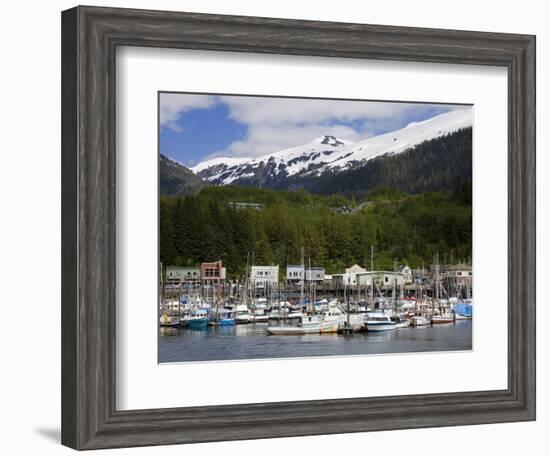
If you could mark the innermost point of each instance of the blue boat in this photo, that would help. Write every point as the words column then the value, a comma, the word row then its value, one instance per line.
column 198, row 319
column 463, row 311
column 221, row 317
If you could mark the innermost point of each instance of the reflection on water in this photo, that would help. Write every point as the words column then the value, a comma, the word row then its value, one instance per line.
column 252, row 342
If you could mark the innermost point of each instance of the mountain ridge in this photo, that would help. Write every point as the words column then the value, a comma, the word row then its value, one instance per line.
column 328, row 153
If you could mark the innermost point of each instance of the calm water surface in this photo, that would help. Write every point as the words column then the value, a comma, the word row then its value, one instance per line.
column 252, row 342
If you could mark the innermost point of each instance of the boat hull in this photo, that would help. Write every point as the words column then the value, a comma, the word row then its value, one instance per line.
column 416, row 322
column 197, row 323
column 379, row 327
column 313, row 328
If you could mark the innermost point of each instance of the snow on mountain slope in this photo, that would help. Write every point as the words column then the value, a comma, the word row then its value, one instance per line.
column 228, row 161
column 330, row 153
column 224, row 170
column 403, row 139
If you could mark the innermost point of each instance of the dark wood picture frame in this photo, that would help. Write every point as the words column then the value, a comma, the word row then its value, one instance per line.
column 90, row 36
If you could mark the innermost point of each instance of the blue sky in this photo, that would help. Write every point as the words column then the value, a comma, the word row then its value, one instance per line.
column 195, row 127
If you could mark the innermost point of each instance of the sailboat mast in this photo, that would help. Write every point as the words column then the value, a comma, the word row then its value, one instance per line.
column 372, row 275
column 303, row 278
column 394, row 283
column 312, row 303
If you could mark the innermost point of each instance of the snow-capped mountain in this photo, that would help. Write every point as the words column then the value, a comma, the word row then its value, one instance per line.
column 329, row 153
column 288, row 162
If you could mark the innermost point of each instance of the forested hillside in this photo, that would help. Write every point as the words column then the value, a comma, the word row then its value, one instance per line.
column 410, row 228
column 177, row 180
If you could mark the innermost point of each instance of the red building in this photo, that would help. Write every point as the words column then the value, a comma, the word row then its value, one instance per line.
column 212, row 271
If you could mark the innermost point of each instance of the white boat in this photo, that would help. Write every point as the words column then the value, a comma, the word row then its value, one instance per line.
column 379, row 321
column 242, row 314
column 325, row 323
column 283, row 311
column 419, row 320
column 259, row 316
column 401, row 322
column 442, row 319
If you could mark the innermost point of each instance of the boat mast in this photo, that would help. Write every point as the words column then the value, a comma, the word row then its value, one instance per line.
column 312, row 302
column 162, row 290
column 394, row 283
column 303, row 278
column 244, row 297
column 372, row 275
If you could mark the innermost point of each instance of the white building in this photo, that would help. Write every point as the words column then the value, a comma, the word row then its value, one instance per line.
column 294, row 273
column 385, row 280
column 315, row 274
column 179, row 274
column 264, row 276
column 348, row 278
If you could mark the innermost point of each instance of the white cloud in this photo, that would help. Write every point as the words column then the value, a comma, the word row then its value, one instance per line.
column 267, row 138
column 276, row 111
column 173, row 105
column 274, row 124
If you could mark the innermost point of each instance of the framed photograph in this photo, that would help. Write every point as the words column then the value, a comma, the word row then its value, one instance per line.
column 280, row 228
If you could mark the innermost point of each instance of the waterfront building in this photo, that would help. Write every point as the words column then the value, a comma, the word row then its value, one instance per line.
column 176, row 275
column 264, row 276
column 348, row 278
column 212, row 271
column 385, row 280
column 315, row 274
column 294, row 273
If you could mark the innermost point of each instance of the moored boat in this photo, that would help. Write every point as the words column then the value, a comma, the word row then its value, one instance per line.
column 221, row 317
column 242, row 314
column 198, row 319
column 324, row 323
column 379, row 321
column 169, row 321
column 463, row 311
column 401, row 322
column 419, row 320
column 442, row 319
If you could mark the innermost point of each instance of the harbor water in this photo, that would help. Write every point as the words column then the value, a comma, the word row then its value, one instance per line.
column 241, row 342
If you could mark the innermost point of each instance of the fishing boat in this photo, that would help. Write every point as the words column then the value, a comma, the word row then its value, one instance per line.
column 419, row 320
column 379, row 321
column 198, row 319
